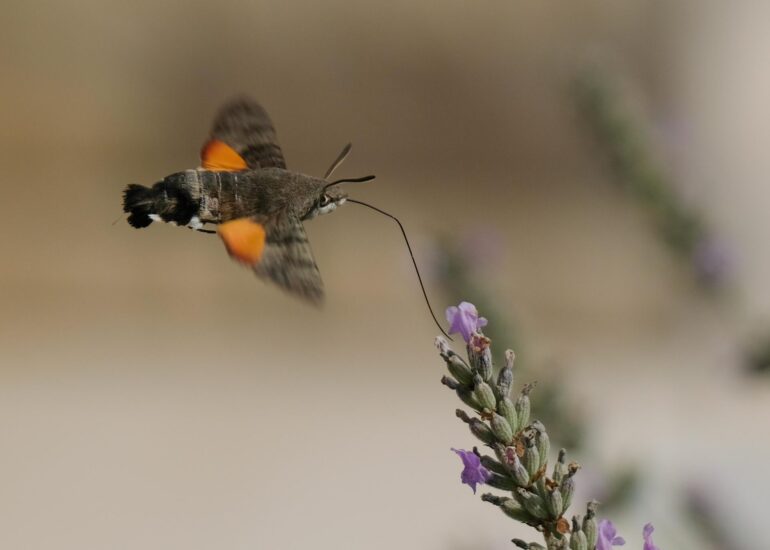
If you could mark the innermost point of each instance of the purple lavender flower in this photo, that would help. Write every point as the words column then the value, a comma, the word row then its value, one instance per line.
column 608, row 536
column 712, row 261
column 647, row 534
column 473, row 472
column 465, row 320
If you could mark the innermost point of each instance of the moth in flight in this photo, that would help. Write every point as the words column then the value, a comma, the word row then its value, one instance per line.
column 244, row 188
column 257, row 205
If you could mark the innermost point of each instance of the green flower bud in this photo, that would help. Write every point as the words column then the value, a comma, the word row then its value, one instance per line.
column 478, row 428
column 513, row 509
column 481, row 430
column 493, row 499
column 567, row 491
column 560, row 468
column 520, row 473
column 590, row 528
column 578, row 540
column 502, row 429
column 555, row 503
column 458, row 368
column 494, row 466
column 509, row 358
column 510, row 507
column 507, row 410
column 504, row 483
column 466, row 396
column 523, row 406
column 532, row 503
column 480, row 356
column 505, row 377
column 501, row 453
column 531, row 457
column 484, row 395
column 450, row 383
column 462, row 415
column 542, row 441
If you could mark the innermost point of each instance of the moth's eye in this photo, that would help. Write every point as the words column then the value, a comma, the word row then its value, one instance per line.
column 325, row 200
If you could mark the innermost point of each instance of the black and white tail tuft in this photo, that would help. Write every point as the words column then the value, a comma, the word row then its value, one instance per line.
column 139, row 203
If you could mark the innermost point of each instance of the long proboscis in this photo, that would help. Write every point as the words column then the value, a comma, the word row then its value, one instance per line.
column 411, row 255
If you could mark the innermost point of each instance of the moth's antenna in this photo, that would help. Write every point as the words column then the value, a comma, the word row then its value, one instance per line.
column 341, row 157
column 411, row 254
column 349, row 180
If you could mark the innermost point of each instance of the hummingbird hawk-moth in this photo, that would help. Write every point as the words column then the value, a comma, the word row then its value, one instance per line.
column 257, row 205
column 244, row 188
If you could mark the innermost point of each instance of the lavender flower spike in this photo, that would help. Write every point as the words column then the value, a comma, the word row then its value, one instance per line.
column 473, row 472
column 647, row 534
column 465, row 320
column 608, row 536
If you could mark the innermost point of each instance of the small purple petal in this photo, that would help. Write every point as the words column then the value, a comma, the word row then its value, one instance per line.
column 607, row 529
column 647, row 534
column 450, row 313
column 473, row 472
column 464, row 319
column 608, row 536
column 468, row 307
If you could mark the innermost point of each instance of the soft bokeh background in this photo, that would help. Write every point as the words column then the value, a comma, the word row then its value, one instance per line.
column 154, row 395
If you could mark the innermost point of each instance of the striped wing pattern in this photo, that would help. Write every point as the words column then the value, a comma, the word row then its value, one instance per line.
column 244, row 125
column 287, row 259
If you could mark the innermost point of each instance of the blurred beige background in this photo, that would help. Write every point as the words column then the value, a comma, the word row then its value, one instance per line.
column 154, row 395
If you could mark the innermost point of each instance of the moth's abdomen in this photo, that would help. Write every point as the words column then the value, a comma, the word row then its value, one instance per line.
column 168, row 200
column 225, row 196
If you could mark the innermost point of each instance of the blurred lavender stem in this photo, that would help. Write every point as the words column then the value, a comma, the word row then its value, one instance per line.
column 701, row 505
column 623, row 141
column 758, row 356
column 684, row 231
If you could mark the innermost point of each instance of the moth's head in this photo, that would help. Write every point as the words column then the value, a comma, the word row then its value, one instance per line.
column 328, row 201
column 330, row 197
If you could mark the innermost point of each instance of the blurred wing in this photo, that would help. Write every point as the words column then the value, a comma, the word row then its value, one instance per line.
column 288, row 260
column 276, row 249
column 242, row 138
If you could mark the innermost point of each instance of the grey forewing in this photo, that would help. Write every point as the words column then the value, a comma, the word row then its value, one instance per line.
column 246, row 127
column 288, row 260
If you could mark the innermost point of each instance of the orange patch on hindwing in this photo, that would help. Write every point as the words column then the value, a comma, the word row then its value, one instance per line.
column 219, row 156
column 244, row 239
